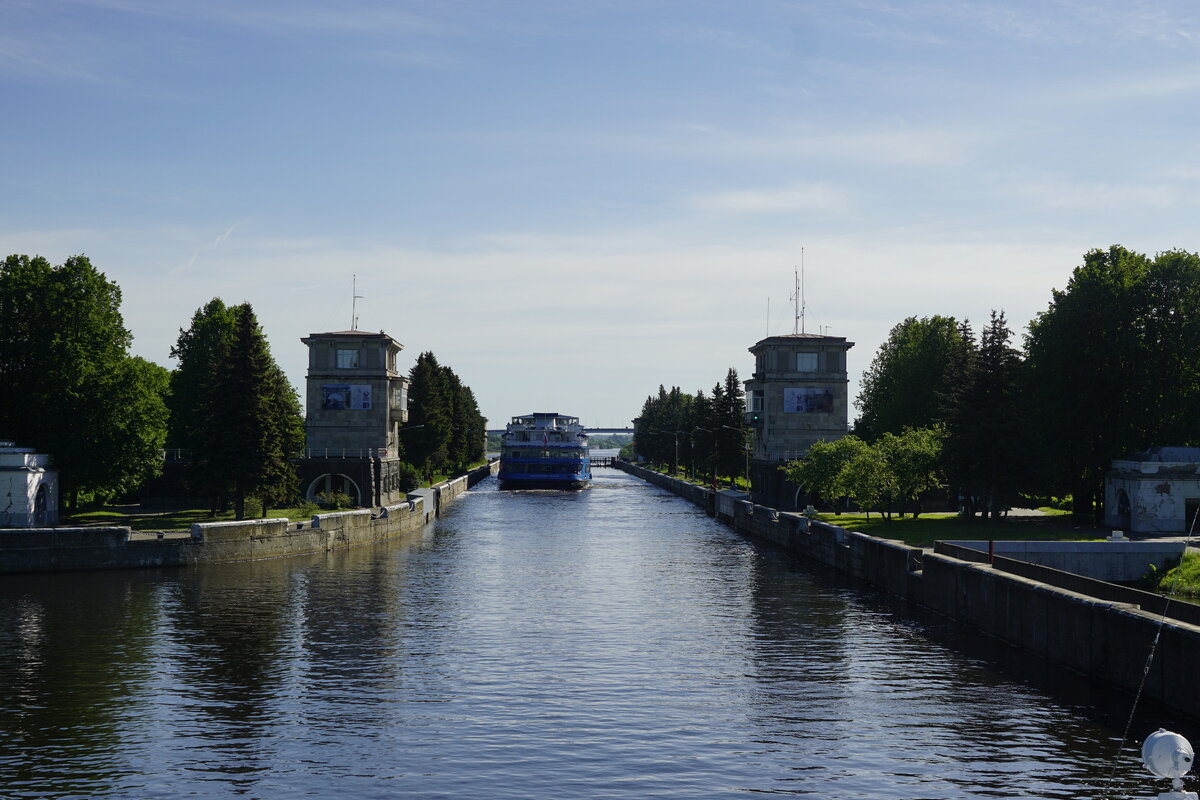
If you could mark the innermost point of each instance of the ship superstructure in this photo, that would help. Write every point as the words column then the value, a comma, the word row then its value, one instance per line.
column 545, row 450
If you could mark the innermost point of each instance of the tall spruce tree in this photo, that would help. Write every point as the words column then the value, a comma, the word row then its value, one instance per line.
column 731, row 441
column 986, row 452
column 197, row 350
column 957, row 412
column 470, row 428
column 676, row 428
column 428, row 447
column 251, row 419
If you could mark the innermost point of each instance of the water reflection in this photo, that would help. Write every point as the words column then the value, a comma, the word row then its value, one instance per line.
column 607, row 643
column 927, row 721
column 74, row 647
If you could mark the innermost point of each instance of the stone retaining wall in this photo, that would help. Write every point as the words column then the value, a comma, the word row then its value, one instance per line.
column 1104, row 639
column 67, row 549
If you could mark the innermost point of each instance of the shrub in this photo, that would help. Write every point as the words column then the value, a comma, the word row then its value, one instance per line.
column 1184, row 579
column 410, row 478
column 334, row 501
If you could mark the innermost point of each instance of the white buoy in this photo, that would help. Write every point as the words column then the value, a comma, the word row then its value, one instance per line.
column 1169, row 755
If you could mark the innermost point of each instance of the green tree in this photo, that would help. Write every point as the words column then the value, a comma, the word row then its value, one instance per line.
column 732, row 433
column 914, row 458
column 869, row 479
column 905, row 384
column 1112, row 367
column 67, row 385
column 138, row 401
column 676, row 428
column 197, row 350
column 430, row 407
column 710, row 411
column 252, row 423
column 987, row 449
column 467, row 425
column 821, row 471
column 665, row 428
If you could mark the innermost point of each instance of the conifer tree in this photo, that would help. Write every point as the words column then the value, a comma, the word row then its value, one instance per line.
column 197, row 350
column 731, row 440
column 428, row 447
column 470, row 427
column 985, row 451
column 251, row 419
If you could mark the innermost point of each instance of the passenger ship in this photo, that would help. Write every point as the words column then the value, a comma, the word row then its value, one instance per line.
column 545, row 450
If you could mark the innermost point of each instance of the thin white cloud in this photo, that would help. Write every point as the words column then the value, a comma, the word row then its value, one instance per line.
column 1095, row 196
column 65, row 57
column 1065, row 23
column 273, row 17
column 905, row 145
column 1190, row 173
column 215, row 243
column 805, row 197
column 742, row 44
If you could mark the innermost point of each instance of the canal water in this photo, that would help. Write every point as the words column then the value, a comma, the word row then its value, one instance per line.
column 607, row 643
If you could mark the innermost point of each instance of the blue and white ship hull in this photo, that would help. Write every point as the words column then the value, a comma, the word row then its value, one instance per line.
column 545, row 450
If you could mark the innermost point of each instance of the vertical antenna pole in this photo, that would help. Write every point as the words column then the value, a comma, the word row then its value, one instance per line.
column 803, row 305
column 354, row 303
column 797, row 297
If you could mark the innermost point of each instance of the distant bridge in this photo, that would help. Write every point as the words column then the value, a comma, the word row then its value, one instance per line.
column 586, row 430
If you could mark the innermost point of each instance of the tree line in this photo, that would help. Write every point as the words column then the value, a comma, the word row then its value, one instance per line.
column 707, row 433
column 69, row 387
column 1107, row 370
column 453, row 433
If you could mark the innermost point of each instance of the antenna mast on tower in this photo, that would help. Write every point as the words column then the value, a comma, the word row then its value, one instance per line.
column 354, row 303
column 797, row 297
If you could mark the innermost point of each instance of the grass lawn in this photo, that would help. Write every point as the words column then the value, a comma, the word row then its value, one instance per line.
column 928, row 528
column 139, row 519
column 1184, row 579
column 177, row 520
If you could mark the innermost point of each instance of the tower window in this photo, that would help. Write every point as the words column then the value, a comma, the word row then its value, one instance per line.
column 347, row 359
column 806, row 362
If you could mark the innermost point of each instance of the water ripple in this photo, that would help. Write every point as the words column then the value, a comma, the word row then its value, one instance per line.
column 613, row 643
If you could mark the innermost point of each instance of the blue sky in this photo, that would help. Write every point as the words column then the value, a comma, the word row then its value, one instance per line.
column 571, row 203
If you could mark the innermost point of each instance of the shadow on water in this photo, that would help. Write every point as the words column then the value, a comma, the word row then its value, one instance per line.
column 979, row 679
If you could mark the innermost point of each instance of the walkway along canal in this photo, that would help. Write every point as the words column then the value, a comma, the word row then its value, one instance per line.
column 609, row 643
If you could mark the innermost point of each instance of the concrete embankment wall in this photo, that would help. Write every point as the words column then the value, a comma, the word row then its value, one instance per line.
column 1052, row 613
column 66, row 549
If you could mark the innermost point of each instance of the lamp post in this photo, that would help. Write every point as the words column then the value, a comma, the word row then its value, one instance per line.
column 697, row 428
column 675, row 463
column 745, row 449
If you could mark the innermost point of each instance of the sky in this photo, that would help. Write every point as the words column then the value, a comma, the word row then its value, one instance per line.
column 572, row 203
